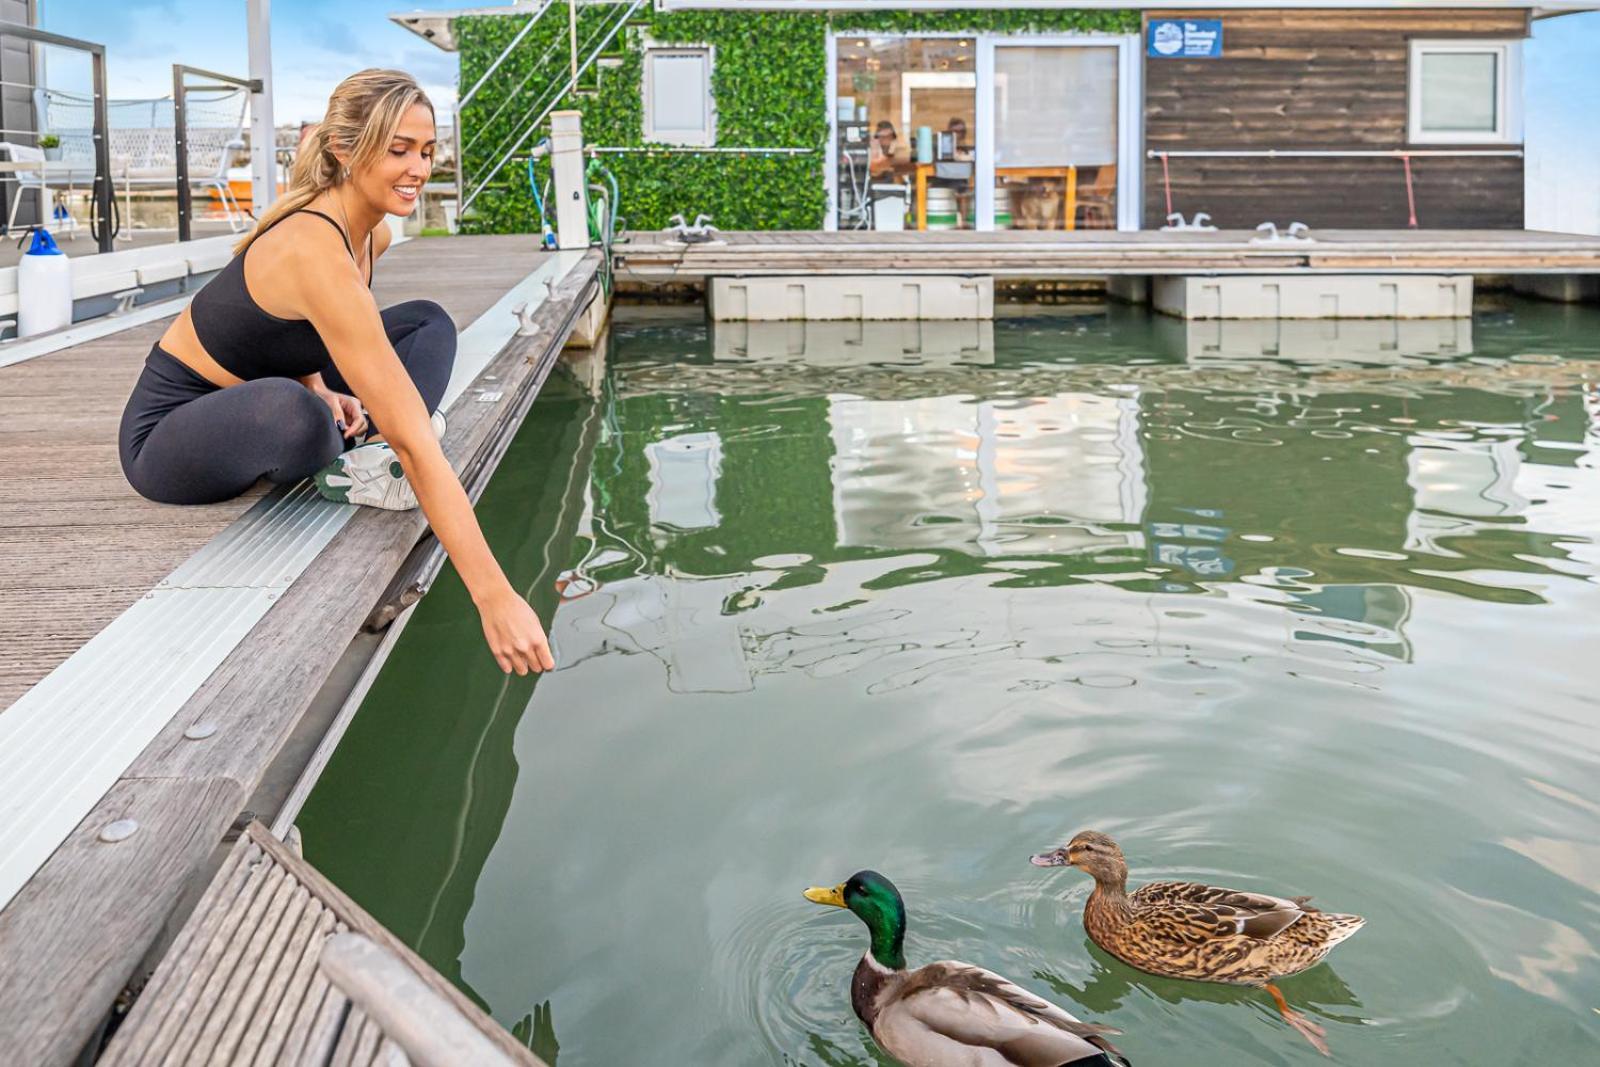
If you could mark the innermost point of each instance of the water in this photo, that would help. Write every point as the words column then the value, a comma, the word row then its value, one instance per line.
column 1306, row 609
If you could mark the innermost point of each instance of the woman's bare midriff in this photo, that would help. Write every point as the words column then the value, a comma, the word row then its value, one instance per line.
column 181, row 342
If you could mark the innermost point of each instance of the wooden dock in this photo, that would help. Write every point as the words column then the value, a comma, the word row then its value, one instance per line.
column 77, row 545
column 81, row 547
column 655, row 257
column 263, row 975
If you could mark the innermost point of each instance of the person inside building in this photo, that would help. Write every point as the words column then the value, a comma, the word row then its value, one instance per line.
column 882, row 161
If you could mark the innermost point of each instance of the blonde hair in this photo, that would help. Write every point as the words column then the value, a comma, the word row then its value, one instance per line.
column 363, row 113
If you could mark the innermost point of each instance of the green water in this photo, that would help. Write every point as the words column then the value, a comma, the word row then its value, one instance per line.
column 1307, row 609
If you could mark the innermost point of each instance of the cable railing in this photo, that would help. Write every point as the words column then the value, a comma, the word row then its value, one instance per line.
column 101, row 223
column 597, row 41
column 209, row 143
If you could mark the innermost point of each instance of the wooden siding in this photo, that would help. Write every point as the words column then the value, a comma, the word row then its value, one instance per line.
column 1326, row 80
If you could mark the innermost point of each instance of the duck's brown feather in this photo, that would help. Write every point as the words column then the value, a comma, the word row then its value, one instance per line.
column 1208, row 933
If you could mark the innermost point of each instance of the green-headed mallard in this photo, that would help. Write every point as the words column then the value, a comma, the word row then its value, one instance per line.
column 951, row 1014
column 1190, row 930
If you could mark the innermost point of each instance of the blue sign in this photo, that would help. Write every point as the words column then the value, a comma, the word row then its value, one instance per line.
column 1185, row 38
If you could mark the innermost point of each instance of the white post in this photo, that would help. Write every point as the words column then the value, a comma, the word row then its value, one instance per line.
column 263, row 135
column 572, row 197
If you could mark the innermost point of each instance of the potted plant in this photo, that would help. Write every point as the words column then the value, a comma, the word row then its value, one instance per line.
column 51, row 145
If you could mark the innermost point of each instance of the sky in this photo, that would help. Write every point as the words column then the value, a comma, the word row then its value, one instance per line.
column 317, row 42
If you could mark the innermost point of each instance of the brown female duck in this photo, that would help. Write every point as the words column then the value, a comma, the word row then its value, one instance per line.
column 1201, row 932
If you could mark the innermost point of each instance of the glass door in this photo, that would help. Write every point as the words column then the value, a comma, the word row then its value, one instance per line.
column 904, row 118
column 1059, row 149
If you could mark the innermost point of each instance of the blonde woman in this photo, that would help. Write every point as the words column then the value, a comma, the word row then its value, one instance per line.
column 283, row 361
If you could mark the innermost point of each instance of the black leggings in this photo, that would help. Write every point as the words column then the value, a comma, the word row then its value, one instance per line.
column 186, row 441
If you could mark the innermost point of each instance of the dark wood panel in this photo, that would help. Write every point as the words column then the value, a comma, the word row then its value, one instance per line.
column 1362, row 193
column 1320, row 79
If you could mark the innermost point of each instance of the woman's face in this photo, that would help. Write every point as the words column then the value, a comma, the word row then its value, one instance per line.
column 394, row 182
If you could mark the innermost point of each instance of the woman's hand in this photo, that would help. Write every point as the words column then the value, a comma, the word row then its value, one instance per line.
column 514, row 634
column 347, row 411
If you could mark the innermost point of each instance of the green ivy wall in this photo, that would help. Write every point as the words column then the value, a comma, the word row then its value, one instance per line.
column 770, row 84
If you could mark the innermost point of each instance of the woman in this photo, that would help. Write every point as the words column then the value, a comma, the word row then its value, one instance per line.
column 254, row 379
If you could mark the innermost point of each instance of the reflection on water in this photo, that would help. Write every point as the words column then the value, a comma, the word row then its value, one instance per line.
column 1295, row 607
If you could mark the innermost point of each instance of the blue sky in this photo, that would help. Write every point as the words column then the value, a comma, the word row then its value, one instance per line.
column 316, row 42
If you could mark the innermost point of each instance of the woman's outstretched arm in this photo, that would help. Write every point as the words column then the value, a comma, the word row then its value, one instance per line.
column 336, row 300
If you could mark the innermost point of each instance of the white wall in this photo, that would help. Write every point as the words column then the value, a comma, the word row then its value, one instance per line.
column 1561, row 80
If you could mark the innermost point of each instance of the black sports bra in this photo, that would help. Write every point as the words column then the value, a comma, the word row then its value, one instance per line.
column 249, row 342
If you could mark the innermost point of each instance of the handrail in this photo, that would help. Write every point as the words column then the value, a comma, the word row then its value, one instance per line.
column 466, row 97
column 533, row 126
column 180, row 131
column 102, row 120
column 462, row 101
column 1350, row 153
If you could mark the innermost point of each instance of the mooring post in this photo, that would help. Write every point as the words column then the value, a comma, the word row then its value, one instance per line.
column 572, row 199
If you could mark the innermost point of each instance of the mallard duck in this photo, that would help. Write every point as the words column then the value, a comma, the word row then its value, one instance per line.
column 1201, row 932
column 951, row 1014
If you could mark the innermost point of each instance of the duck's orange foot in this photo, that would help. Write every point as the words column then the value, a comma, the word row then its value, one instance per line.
column 1307, row 1029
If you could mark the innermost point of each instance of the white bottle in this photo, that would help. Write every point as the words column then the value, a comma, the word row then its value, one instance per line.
column 44, row 287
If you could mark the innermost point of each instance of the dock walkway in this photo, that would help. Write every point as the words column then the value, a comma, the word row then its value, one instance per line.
column 657, row 257
column 77, row 545
column 122, row 769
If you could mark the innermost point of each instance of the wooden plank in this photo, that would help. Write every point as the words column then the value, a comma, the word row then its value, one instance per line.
column 219, row 981
column 54, row 935
column 288, row 655
column 58, row 430
column 1334, row 80
column 393, row 996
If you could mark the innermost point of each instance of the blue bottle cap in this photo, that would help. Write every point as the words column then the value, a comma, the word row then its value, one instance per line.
column 43, row 244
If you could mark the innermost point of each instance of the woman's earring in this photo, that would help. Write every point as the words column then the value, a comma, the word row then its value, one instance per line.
column 345, row 174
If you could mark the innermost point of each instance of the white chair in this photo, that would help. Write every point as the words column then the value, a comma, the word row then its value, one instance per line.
column 38, row 182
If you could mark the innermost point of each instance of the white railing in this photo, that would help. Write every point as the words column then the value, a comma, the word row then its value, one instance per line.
column 583, row 56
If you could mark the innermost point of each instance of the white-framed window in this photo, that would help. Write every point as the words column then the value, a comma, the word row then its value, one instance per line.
column 678, row 108
column 1465, row 92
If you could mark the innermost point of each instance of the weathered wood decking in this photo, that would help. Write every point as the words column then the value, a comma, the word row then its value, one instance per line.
column 656, row 257
column 78, row 929
column 247, row 982
column 77, row 545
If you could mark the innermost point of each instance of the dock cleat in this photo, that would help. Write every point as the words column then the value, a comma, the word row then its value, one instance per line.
column 370, row 475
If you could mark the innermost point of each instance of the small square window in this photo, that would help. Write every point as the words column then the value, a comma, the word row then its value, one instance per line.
column 1464, row 92
column 677, row 96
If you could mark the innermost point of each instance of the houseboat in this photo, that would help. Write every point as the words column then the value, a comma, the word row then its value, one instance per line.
column 1012, row 114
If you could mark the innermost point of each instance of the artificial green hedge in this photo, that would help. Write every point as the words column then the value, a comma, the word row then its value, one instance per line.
column 770, row 84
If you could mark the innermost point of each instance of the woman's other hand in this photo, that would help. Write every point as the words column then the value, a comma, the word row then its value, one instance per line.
column 347, row 411
column 514, row 633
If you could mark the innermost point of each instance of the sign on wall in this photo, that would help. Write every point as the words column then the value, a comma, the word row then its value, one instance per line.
column 1185, row 38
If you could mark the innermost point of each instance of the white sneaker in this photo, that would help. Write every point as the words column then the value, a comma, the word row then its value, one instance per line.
column 370, row 475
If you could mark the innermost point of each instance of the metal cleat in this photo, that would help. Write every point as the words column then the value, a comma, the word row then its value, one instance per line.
column 702, row 230
column 526, row 327
column 1268, row 234
column 125, row 301
column 1201, row 223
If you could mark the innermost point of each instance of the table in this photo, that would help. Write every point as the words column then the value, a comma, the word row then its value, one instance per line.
column 59, row 169
column 1068, row 173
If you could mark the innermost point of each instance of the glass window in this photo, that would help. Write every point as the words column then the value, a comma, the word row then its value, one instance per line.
column 1464, row 92
column 1459, row 92
column 906, row 107
column 1055, row 137
column 677, row 96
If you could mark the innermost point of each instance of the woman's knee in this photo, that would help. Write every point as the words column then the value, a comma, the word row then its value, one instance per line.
column 296, row 428
column 417, row 314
